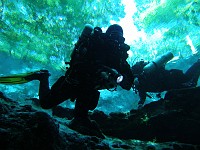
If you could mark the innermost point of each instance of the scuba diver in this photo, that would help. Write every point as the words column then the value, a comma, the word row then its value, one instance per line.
column 153, row 77
column 98, row 61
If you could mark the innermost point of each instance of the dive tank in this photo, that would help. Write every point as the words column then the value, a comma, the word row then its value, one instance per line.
column 158, row 62
column 87, row 31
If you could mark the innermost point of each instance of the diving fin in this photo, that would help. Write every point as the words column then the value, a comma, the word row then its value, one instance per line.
column 18, row 78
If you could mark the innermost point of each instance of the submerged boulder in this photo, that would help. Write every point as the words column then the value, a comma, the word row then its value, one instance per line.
column 174, row 118
column 25, row 128
column 170, row 123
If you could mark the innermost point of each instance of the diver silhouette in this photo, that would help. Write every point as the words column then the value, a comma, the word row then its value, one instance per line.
column 98, row 61
column 158, row 79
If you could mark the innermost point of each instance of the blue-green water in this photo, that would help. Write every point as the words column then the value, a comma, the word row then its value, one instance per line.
column 41, row 34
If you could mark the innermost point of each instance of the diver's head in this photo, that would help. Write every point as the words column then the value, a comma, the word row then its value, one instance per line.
column 115, row 31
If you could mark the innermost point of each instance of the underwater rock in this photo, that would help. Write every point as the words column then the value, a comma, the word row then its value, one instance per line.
column 25, row 128
column 174, row 118
column 168, row 120
column 62, row 112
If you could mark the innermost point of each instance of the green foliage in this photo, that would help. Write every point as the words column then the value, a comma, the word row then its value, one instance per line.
column 190, row 12
column 41, row 4
column 164, row 11
column 161, row 12
column 173, row 21
column 45, row 30
column 176, row 31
